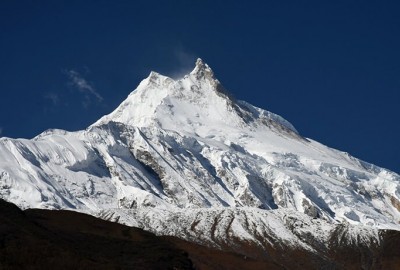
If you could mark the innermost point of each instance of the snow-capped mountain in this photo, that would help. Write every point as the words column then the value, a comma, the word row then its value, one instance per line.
column 178, row 154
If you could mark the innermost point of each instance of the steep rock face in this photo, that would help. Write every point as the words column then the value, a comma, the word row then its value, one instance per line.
column 186, row 146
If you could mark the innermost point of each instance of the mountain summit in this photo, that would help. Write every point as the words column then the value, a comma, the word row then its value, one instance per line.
column 202, row 70
column 197, row 103
column 184, row 158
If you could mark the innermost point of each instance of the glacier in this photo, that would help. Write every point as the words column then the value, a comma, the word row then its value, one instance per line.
column 177, row 155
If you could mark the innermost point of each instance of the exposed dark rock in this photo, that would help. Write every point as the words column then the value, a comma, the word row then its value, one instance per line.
column 44, row 239
column 50, row 239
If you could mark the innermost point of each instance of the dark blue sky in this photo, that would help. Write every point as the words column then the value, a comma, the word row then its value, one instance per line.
column 332, row 68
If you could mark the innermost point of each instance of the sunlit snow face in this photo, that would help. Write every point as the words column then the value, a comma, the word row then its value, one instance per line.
column 187, row 144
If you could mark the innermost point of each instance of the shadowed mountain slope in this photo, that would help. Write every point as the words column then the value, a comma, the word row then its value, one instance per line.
column 44, row 239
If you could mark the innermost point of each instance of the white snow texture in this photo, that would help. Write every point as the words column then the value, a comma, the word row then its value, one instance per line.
column 177, row 151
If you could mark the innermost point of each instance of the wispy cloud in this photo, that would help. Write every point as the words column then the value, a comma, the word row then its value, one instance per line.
column 184, row 64
column 1, row 131
column 85, row 87
column 53, row 97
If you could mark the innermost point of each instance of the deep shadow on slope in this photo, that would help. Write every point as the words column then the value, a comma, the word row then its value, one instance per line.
column 384, row 255
column 45, row 239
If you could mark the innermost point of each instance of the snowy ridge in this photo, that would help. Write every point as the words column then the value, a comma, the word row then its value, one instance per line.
column 235, row 228
column 219, row 226
column 175, row 150
column 194, row 103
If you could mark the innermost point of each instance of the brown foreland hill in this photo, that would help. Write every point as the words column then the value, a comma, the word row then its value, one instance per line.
column 51, row 239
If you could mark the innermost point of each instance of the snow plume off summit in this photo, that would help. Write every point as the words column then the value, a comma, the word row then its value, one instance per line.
column 184, row 158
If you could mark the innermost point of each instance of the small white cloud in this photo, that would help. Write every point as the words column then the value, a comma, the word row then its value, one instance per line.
column 184, row 64
column 83, row 86
column 185, row 58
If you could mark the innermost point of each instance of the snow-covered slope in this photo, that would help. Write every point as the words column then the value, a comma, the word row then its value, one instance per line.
column 187, row 147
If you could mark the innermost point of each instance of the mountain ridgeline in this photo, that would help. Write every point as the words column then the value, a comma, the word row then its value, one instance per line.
column 184, row 158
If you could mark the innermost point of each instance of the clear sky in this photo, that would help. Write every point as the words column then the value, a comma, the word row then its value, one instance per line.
column 332, row 68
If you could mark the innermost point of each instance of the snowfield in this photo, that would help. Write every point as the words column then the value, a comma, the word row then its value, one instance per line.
column 184, row 158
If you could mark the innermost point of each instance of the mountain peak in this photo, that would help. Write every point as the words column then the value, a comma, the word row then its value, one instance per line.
column 200, row 63
column 202, row 70
column 196, row 103
column 184, row 144
column 157, row 79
